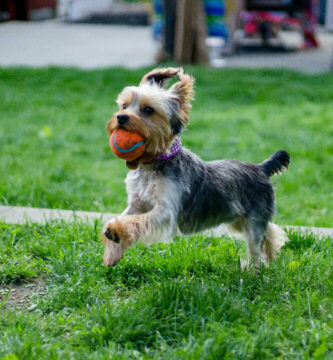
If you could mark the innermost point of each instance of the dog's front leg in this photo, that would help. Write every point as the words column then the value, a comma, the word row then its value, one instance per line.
column 125, row 230
column 113, row 250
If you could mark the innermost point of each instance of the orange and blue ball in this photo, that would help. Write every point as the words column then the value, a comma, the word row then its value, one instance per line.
column 127, row 145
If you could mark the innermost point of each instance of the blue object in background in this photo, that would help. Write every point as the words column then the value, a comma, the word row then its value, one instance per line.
column 158, row 21
column 215, row 11
column 158, row 7
column 218, row 30
column 214, row 7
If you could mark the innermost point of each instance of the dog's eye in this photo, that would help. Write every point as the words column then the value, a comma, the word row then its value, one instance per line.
column 124, row 106
column 148, row 110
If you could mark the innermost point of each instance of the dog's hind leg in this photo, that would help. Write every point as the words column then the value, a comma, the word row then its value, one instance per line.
column 254, row 235
column 274, row 239
column 264, row 241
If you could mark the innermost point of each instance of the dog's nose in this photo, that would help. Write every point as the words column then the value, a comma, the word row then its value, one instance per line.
column 122, row 119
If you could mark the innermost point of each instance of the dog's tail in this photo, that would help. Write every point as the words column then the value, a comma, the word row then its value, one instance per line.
column 276, row 164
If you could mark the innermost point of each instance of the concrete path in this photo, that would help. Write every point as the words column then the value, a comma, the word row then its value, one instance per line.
column 90, row 46
column 308, row 61
column 22, row 215
column 86, row 46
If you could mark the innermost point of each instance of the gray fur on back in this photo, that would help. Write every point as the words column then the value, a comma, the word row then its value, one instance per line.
column 217, row 191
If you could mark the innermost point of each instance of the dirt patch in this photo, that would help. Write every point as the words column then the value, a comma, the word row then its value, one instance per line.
column 21, row 295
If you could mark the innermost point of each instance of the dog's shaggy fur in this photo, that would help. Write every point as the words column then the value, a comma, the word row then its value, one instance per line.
column 183, row 192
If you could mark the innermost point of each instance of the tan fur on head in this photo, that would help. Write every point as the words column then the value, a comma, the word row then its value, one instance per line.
column 184, row 90
column 171, row 109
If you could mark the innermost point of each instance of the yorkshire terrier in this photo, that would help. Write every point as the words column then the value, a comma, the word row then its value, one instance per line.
column 171, row 189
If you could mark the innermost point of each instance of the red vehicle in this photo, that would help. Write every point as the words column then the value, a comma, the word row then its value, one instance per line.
column 267, row 17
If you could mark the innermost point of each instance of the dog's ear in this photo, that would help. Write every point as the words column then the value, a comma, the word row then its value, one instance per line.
column 160, row 76
column 183, row 92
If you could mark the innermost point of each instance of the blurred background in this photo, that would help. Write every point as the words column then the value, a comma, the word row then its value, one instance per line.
column 235, row 33
column 264, row 82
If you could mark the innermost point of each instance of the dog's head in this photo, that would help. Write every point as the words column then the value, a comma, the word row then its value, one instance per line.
column 155, row 111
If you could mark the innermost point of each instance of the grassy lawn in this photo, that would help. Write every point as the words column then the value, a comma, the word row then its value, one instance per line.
column 54, row 150
column 186, row 300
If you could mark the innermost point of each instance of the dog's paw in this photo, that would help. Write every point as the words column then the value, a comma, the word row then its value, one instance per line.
column 113, row 250
column 112, row 253
column 119, row 231
column 112, row 236
column 253, row 264
column 109, row 231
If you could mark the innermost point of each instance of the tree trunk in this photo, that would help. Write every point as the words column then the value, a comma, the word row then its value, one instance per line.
column 190, row 33
column 169, row 7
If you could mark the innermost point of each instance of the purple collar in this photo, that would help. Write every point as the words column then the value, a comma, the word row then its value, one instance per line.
column 175, row 149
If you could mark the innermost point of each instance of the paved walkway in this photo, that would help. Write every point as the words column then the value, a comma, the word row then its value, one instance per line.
column 308, row 61
column 90, row 46
column 22, row 215
column 86, row 46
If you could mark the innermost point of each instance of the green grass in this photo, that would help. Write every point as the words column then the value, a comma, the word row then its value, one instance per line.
column 185, row 300
column 55, row 153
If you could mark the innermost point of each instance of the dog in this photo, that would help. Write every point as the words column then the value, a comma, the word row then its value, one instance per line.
column 171, row 189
